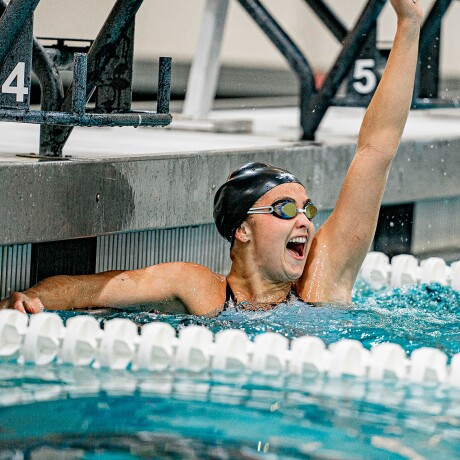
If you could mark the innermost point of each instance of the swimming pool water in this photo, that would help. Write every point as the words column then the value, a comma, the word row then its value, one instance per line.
column 412, row 316
column 61, row 411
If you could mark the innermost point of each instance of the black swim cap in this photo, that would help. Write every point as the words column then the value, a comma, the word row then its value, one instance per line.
column 243, row 188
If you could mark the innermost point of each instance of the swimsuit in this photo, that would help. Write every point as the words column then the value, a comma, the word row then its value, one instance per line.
column 230, row 301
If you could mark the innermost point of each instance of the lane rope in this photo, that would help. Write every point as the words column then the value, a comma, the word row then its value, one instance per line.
column 43, row 339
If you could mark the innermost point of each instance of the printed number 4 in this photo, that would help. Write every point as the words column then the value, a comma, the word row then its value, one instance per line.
column 20, row 89
column 363, row 72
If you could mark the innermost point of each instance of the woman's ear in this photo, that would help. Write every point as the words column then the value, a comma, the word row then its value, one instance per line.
column 243, row 233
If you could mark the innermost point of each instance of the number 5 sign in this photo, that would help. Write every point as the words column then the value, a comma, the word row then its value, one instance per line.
column 364, row 77
column 15, row 72
column 365, row 73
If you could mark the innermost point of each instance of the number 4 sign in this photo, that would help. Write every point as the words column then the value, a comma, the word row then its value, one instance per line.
column 15, row 72
column 18, row 75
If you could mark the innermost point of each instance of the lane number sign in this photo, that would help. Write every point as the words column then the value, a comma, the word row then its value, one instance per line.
column 364, row 76
column 15, row 82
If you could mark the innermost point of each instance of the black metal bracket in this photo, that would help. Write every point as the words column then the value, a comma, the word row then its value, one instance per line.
column 61, row 51
column 104, row 68
column 360, row 63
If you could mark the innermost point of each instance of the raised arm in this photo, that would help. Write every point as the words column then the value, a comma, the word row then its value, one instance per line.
column 158, row 284
column 341, row 244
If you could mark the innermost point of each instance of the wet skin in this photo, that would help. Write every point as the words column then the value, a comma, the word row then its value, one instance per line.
column 267, row 237
column 264, row 264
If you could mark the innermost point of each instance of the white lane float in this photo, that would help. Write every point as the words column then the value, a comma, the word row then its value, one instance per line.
column 194, row 349
column 270, row 352
column 428, row 365
column 376, row 269
column 455, row 275
column 156, row 347
column 308, row 355
column 81, row 341
column 388, row 360
column 42, row 339
column 120, row 346
column 405, row 269
column 348, row 357
column 13, row 325
column 231, row 351
column 434, row 270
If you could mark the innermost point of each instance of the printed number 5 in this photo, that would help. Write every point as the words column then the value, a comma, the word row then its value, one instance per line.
column 20, row 89
column 363, row 71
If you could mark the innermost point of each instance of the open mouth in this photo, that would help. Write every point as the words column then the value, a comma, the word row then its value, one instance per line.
column 296, row 247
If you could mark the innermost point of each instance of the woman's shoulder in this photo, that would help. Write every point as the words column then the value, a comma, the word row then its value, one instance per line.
column 201, row 290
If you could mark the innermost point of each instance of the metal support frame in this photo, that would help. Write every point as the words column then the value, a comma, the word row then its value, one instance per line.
column 204, row 73
column 106, row 69
column 313, row 103
column 288, row 49
column 329, row 19
column 360, row 62
column 12, row 23
column 354, row 46
column 342, row 66
column 427, row 81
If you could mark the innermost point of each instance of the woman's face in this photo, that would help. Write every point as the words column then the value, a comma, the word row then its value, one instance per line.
column 279, row 247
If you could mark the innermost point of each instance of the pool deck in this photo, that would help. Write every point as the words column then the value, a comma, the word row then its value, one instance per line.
column 125, row 179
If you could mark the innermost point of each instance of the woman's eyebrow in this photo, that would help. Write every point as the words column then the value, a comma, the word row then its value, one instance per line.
column 289, row 198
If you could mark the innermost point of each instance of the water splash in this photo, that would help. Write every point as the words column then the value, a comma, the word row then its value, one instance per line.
column 412, row 316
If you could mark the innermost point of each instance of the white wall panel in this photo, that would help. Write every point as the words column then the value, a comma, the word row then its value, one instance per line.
column 14, row 268
column 436, row 225
column 171, row 28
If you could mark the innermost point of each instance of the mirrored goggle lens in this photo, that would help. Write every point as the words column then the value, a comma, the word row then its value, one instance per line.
column 289, row 210
column 311, row 210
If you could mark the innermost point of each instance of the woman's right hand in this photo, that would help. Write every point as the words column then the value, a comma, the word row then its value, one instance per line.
column 408, row 9
column 23, row 303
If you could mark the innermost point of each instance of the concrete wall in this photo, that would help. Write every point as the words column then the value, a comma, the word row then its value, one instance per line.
column 171, row 28
column 93, row 197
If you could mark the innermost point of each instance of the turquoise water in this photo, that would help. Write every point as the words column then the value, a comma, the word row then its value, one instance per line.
column 65, row 412
column 412, row 316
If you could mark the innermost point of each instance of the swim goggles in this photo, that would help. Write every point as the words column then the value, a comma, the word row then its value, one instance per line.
column 286, row 209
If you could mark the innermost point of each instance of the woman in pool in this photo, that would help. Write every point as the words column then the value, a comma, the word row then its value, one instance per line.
column 267, row 215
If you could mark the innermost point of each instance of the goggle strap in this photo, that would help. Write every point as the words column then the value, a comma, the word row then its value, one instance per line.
column 261, row 210
column 271, row 210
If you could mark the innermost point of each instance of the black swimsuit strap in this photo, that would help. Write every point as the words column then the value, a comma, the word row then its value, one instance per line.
column 293, row 292
column 229, row 293
column 230, row 296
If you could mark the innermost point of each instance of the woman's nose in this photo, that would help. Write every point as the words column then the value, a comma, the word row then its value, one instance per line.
column 302, row 220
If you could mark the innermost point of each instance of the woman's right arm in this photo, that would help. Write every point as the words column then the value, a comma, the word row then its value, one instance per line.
column 58, row 293
column 155, row 284
column 106, row 289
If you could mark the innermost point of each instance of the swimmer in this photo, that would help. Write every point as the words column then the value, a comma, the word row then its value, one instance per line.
column 267, row 215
